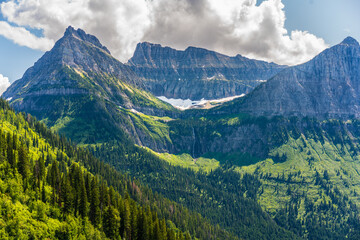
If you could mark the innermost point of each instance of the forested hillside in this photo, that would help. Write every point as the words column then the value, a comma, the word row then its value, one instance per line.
column 307, row 169
column 223, row 196
column 257, row 167
column 51, row 189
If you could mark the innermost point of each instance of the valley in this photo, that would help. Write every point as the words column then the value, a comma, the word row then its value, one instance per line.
column 274, row 159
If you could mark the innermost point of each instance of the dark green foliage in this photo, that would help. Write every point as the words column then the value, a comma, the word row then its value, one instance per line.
column 218, row 196
column 94, row 203
column 83, row 199
column 65, row 185
column 23, row 161
column 111, row 222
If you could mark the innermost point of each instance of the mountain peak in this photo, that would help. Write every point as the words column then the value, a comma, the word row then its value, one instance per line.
column 350, row 42
column 82, row 35
column 148, row 44
column 325, row 87
column 69, row 31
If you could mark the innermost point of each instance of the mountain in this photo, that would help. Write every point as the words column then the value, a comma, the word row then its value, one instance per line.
column 257, row 177
column 197, row 73
column 308, row 169
column 67, row 167
column 327, row 86
column 51, row 189
column 73, row 90
column 79, row 89
column 294, row 133
column 79, row 65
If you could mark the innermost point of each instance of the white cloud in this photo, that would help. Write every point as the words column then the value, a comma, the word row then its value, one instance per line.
column 23, row 37
column 4, row 84
column 227, row 26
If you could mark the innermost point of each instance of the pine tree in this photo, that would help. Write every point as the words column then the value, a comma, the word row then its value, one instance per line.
column 156, row 231
column 23, row 163
column 171, row 235
column 163, row 232
column 187, row 236
column 54, row 180
column 143, row 226
column 10, row 155
column 43, row 194
column 111, row 222
column 42, row 167
column 14, row 139
column 83, row 199
column 95, row 214
column 127, row 218
column 134, row 221
column 67, row 195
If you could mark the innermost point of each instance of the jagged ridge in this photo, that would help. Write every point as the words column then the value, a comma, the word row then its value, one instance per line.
column 78, row 85
column 326, row 87
column 197, row 73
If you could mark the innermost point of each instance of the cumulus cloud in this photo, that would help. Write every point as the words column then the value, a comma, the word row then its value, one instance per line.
column 228, row 26
column 23, row 37
column 4, row 84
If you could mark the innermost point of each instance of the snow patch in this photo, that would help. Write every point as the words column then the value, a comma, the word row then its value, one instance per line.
column 181, row 103
column 184, row 104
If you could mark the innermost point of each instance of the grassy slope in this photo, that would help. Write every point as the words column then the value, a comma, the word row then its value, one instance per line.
column 306, row 156
column 186, row 161
column 294, row 172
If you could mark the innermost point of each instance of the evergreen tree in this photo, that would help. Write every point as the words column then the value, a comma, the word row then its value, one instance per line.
column 111, row 222
column 187, row 236
column 127, row 218
column 10, row 155
column 23, row 162
column 156, row 231
column 67, row 195
column 143, row 226
column 83, row 199
column 95, row 214
column 163, row 232
column 54, row 180
column 42, row 167
column 43, row 193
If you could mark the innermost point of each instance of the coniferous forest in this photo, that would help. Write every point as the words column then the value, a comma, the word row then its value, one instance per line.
column 93, row 148
column 52, row 189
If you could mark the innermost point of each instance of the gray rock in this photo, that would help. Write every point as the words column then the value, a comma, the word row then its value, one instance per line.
column 197, row 73
column 79, row 83
column 327, row 86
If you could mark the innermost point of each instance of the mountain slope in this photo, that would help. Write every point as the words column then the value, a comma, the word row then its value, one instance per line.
column 308, row 169
column 88, row 112
column 197, row 73
column 77, row 65
column 79, row 86
column 326, row 86
column 50, row 189
column 68, row 167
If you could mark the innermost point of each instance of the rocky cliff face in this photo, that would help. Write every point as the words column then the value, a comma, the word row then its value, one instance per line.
column 78, row 63
column 327, row 86
column 81, row 90
column 197, row 73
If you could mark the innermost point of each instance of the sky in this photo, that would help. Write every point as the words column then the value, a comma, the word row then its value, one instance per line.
column 283, row 31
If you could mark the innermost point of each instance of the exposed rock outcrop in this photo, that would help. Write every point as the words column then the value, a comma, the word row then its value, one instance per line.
column 197, row 73
column 81, row 90
column 327, row 86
